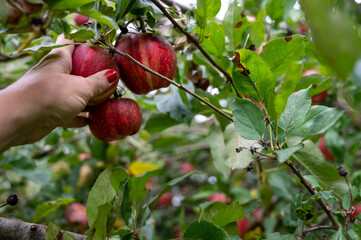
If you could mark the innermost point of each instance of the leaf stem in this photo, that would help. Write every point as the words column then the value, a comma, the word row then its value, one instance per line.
column 196, row 43
column 180, row 86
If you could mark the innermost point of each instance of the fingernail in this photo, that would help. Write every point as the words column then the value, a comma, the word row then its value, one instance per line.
column 111, row 75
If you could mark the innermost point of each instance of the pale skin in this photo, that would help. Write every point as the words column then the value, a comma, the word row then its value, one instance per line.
column 46, row 97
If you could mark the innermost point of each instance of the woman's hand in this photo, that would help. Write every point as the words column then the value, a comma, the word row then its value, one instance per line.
column 46, row 97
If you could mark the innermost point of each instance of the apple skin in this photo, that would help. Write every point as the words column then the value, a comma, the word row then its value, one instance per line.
column 243, row 226
column 75, row 215
column 323, row 148
column 322, row 95
column 80, row 19
column 356, row 212
column 90, row 60
column 187, row 168
column 154, row 52
column 165, row 199
column 219, row 197
column 115, row 119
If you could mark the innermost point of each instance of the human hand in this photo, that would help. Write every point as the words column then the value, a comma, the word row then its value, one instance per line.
column 47, row 96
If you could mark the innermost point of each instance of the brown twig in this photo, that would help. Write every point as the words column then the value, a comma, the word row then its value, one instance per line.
column 15, row 230
column 305, row 232
column 180, row 86
column 313, row 191
column 6, row 58
column 195, row 42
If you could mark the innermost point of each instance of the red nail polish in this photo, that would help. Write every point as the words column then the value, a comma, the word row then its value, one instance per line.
column 111, row 75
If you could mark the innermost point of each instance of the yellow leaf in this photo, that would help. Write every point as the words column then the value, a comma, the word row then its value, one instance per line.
column 138, row 168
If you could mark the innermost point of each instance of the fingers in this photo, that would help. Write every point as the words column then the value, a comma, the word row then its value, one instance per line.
column 66, row 49
column 76, row 122
column 101, row 82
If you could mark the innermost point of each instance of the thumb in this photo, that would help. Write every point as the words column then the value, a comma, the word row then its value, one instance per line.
column 102, row 81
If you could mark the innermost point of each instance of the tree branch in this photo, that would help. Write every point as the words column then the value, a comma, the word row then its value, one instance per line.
column 313, row 191
column 15, row 230
column 305, row 232
column 180, row 86
column 5, row 58
column 195, row 42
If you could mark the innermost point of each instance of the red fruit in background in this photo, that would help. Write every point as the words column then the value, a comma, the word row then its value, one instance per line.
column 356, row 212
column 154, row 52
column 115, row 119
column 322, row 95
column 75, row 215
column 90, row 60
column 323, row 148
column 220, row 197
column 165, row 199
column 243, row 226
column 80, row 19
column 187, row 167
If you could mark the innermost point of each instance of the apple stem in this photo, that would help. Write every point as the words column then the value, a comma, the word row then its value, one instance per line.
column 195, row 42
column 180, row 86
column 313, row 191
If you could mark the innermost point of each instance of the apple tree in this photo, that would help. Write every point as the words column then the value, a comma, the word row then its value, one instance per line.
column 230, row 121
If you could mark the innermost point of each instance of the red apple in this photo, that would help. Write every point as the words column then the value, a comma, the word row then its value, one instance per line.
column 243, row 226
column 187, row 167
column 80, row 20
column 356, row 212
column 323, row 148
column 165, row 199
column 154, row 52
column 322, row 95
column 75, row 215
column 115, row 119
column 90, row 60
column 219, row 197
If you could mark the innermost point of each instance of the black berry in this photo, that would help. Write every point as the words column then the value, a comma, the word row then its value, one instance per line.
column 12, row 200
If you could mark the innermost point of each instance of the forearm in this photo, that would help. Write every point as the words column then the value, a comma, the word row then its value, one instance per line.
column 17, row 116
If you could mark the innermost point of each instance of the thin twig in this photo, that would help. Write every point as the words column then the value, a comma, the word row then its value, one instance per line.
column 349, row 189
column 305, row 232
column 313, row 191
column 180, row 86
column 195, row 42
column 5, row 58
column 46, row 151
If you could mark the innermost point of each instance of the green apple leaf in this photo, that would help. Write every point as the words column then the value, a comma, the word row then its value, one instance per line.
column 82, row 35
column 214, row 39
column 172, row 103
column 216, row 142
column 256, row 33
column 208, row 8
column 288, row 86
column 158, row 122
column 317, row 121
column 252, row 76
column 104, row 191
column 322, row 83
column 205, row 230
column 101, row 18
column 284, row 154
column 248, row 120
column 99, row 226
column 234, row 25
column 280, row 53
column 44, row 209
column 278, row 236
column 339, row 235
column 221, row 214
column 296, row 110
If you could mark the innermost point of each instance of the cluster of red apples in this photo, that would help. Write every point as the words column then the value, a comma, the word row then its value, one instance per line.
column 112, row 119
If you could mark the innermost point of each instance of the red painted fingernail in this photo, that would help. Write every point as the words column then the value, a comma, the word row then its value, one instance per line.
column 111, row 75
